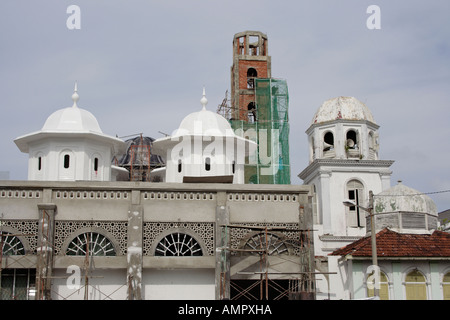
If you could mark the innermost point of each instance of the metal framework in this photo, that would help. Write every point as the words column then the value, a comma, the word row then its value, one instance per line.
column 91, row 244
column 140, row 162
column 299, row 285
column 178, row 244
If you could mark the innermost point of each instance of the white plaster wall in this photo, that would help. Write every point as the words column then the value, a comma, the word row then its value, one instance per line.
column 81, row 161
column 331, row 190
column 341, row 281
column 193, row 150
column 183, row 284
column 103, row 285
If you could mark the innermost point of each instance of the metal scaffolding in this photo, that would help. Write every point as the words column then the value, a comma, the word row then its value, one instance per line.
column 267, row 125
column 296, row 285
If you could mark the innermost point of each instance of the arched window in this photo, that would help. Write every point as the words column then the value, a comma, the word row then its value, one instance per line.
column 352, row 141
column 96, row 164
column 96, row 167
column 355, row 192
column 66, row 165
column 251, row 112
column 179, row 165
column 91, row 243
column 352, row 144
column 251, row 75
column 178, row 244
column 328, row 138
column 207, row 163
column 39, row 166
column 66, row 161
column 261, row 241
column 328, row 145
column 446, row 286
column 11, row 245
column 383, row 290
column 415, row 285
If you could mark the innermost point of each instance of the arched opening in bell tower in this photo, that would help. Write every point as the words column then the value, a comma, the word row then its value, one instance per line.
column 251, row 75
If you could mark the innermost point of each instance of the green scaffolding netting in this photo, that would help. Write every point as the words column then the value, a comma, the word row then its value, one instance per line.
column 270, row 130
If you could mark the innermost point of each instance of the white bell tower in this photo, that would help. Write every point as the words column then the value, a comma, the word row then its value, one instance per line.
column 343, row 164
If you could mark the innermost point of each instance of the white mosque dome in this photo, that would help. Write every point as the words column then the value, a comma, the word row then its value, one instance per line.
column 347, row 108
column 404, row 199
column 72, row 119
column 206, row 160
column 205, row 123
column 71, row 122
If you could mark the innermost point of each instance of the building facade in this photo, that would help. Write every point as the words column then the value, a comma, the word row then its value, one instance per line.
column 413, row 256
column 140, row 240
column 75, row 238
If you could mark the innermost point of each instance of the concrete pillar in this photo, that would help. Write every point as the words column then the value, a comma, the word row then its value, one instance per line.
column 222, row 245
column 358, row 289
column 397, row 281
column 306, row 225
column 385, row 180
column 339, row 142
column 44, row 265
column 134, row 244
column 435, row 279
column 325, row 205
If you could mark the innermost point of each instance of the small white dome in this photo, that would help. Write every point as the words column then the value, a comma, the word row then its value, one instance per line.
column 72, row 119
column 347, row 108
column 70, row 122
column 205, row 123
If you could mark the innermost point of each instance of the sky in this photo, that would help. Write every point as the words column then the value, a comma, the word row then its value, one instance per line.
column 141, row 66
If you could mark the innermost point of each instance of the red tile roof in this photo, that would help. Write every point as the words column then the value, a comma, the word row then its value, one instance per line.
column 393, row 244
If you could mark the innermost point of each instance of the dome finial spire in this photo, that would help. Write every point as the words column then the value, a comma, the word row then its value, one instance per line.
column 203, row 100
column 75, row 96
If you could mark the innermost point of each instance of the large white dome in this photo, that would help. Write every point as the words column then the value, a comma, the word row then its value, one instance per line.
column 405, row 199
column 347, row 108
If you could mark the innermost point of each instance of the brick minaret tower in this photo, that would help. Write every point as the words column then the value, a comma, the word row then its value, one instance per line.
column 250, row 61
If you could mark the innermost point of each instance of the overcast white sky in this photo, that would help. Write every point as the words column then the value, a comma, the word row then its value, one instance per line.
column 141, row 67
